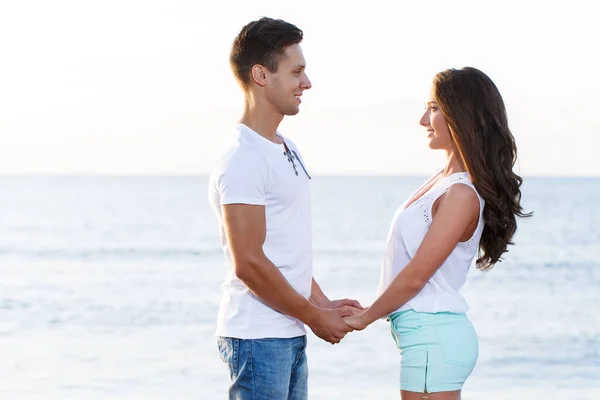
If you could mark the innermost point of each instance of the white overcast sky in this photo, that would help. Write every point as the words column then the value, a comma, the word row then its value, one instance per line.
column 144, row 87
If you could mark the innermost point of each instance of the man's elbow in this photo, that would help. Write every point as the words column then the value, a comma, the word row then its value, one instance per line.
column 245, row 267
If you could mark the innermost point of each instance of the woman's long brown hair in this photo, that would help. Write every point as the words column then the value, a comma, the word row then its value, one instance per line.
column 476, row 116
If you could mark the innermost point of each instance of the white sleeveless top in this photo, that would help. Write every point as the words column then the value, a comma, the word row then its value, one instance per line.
column 409, row 226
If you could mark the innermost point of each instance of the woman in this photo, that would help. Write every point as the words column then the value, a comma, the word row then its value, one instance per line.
column 467, row 209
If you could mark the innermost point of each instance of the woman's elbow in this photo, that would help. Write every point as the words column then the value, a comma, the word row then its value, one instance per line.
column 416, row 283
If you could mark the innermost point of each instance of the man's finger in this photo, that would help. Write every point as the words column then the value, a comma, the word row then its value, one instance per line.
column 356, row 310
column 347, row 311
column 353, row 303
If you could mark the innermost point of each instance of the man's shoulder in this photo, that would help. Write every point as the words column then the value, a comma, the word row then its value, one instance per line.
column 240, row 157
column 241, row 152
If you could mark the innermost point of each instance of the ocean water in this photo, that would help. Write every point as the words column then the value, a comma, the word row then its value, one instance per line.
column 110, row 286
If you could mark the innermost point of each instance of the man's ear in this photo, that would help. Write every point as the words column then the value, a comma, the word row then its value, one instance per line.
column 259, row 75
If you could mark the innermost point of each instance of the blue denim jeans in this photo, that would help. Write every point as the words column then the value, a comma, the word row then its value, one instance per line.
column 266, row 369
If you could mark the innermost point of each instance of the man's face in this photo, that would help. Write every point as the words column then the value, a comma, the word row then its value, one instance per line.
column 285, row 86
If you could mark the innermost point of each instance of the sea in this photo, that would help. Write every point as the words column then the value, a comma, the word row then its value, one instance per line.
column 109, row 289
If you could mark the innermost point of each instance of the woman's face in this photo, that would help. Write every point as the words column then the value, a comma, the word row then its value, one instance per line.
column 438, row 132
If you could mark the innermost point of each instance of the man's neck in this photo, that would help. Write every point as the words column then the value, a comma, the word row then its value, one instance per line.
column 262, row 119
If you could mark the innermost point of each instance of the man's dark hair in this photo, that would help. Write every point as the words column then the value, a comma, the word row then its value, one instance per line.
column 261, row 42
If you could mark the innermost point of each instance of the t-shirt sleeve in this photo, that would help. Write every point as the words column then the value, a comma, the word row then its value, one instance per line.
column 243, row 177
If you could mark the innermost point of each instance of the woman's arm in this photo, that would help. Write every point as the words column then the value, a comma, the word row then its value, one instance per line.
column 457, row 211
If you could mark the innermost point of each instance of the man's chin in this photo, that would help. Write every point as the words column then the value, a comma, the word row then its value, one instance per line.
column 292, row 111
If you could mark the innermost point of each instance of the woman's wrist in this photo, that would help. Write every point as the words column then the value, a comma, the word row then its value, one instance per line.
column 366, row 317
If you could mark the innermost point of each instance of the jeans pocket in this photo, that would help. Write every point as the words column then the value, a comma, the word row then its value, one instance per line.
column 229, row 353
column 303, row 344
column 459, row 342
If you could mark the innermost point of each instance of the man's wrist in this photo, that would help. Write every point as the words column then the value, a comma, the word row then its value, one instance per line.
column 320, row 301
column 310, row 313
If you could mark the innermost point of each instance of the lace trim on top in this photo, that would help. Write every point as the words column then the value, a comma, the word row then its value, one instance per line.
column 425, row 203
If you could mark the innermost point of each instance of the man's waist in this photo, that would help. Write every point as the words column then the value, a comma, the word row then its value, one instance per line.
column 258, row 325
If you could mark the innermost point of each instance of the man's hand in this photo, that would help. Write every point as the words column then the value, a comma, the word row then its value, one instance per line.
column 346, row 307
column 357, row 322
column 329, row 326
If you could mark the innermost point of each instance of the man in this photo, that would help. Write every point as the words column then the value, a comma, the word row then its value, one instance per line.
column 259, row 191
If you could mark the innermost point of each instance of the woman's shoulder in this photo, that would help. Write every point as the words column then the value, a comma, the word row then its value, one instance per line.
column 462, row 194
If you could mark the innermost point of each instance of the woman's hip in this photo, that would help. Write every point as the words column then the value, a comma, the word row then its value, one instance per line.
column 446, row 337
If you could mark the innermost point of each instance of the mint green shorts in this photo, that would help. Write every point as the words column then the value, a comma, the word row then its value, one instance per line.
column 438, row 350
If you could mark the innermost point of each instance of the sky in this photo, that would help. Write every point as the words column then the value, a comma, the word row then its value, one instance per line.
column 144, row 86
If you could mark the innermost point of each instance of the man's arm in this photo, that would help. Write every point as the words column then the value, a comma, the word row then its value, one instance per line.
column 245, row 228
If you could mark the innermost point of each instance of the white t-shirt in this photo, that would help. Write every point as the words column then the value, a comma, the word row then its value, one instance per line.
column 409, row 226
column 253, row 170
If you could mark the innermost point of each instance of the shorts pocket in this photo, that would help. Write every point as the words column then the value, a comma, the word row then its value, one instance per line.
column 459, row 342
column 406, row 322
column 229, row 353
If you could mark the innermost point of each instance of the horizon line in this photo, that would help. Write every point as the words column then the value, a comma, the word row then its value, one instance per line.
column 206, row 175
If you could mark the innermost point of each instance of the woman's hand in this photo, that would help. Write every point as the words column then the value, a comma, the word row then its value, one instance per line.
column 356, row 322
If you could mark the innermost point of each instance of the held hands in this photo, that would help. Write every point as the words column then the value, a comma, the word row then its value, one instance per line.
column 328, row 325
column 356, row 322
column 327, row 322
column 331, row 327
column 352, row 313
column 346, row 307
